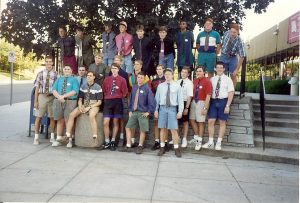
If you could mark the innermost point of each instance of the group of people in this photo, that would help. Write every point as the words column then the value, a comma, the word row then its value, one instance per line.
column 122, row 89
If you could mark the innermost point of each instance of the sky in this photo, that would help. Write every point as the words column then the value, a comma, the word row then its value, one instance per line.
column 277, row 11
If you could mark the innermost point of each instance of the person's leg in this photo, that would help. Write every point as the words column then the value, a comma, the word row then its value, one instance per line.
column 106, row 131
column 194, row 126
column 92, row 116
column 156, row 136
column 110, row 61
column 211, row 131
column 210, row 64
column 128, row 137
column 52, row 127
column 115, row 128
column 175, row 139
column 71, row 120
column 37, row 125
column 128, row 64
column 170, row 61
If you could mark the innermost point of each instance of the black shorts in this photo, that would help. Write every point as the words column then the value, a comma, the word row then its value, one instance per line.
column 113, row 108
column 185, row 118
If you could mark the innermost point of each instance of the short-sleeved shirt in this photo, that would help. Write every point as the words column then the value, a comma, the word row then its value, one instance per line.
column 187, row 88
column 205, row 88
column 120, row 91
column 214, row 39
column 72, row 85
column 94, row 91
column 234, row 47
column 226, row 86
column 41, row 79
column 126, row 40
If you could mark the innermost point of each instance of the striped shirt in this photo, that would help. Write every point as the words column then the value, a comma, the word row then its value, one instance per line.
column 94, row 91
column 214, row 40
column 233, row 47
column 41, row 80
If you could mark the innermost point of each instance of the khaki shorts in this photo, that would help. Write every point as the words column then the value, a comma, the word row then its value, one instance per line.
column 138, row 121
column 195, row 111
column 45, row 105
column 63, row 110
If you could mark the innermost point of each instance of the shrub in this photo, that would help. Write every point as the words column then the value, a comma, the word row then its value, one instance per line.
column 271, row 86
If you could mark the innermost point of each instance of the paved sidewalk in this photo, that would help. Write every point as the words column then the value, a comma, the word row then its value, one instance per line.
column 43, row 173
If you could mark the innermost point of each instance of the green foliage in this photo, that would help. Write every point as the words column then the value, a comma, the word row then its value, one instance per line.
column 271, row 86
column 32, row 24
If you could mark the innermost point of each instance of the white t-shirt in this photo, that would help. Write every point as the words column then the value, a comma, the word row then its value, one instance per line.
column 226, row 86
column 187, row 88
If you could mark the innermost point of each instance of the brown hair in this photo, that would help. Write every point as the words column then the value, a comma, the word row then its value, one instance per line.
column 209, row 20
column 235, row 26
column 140, row 27
column 115, row 65
column 139, row 61
column 163, row 28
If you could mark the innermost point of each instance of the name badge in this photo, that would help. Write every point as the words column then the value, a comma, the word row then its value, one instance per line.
column 162, row 50
column 117, row 87
column 100, row 75
column 68, row 84
column 107, row 43
column 142, row 91
column 186, row 40
column 126, row 41
column 200, row 87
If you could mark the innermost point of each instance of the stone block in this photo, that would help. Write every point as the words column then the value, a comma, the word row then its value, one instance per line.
column 241, row 114
column 83, row 131
column 236, row 122
column 241, row 117
column 236, row 129
column 247, row 115
column 244, row 106
column 241, row 138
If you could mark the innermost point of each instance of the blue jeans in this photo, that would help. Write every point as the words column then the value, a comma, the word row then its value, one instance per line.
column 127, row 64
column 167, row 61
column 108, row 61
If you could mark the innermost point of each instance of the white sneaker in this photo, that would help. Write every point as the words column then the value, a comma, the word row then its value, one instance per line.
column 218, row 146
column 56, row 144
column 52, row 140
column 36, row 142
column 171, row 142
column 208, row 145
column 60, row 138
column 198, row 145
column 184, row 143
column 69, row 145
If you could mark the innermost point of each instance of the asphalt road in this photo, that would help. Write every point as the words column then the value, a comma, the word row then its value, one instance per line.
column 21, row 93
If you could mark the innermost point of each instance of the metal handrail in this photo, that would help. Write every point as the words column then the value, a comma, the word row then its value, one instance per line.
column 262, row 105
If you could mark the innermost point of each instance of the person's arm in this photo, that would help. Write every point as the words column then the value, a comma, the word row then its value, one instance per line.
column 198, row 42
column 36, row 96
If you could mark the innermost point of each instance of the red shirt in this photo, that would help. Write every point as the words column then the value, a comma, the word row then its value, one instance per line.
column 121, row 89
column 205, row 88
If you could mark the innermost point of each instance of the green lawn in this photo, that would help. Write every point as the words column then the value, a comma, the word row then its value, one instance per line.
column 16, row 76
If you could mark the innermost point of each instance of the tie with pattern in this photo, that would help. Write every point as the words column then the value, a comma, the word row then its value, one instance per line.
column 136, row 99
column 113, row 87
column 87, row 97
column 168, row 99
column 64, row 87
column 206, row 41
column 47, row 84
column 196, row 98
column 218, row 87
column 162, row 49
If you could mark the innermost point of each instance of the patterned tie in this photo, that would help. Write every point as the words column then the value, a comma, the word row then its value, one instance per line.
column 141, row 53
column 181, row 84
column 87, row 97
column 168, row 99
column 136, row 99
column 206, row 41
column 47, row 84
column 218, row 87
column 162, row 49
column 64, row 87
column 113, row 87
column 196, row 98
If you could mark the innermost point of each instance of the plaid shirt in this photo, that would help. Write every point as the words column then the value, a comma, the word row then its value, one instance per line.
column 236, row 47
column 41, row 80
column 67, row 44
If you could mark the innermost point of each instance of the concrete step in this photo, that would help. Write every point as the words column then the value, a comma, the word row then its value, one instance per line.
column 274, row 107
column 279, row 122
column 291, row 133
column 277, row 102
column 277, row 114
column 277, row 143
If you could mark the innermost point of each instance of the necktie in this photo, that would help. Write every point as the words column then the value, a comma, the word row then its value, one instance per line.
column 81, row 80
column 168, row 99
column 47, row 82
column 136, row 99
column 218, row 87
column 87, row 97
column 141, row 54
column 64, row 87
column 162, row 49
column 113, row 87
column 181, row 84
column 206, row 41
column 196, row 98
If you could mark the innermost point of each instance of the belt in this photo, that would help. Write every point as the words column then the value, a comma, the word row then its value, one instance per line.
column 71, row 99
column 220, row 98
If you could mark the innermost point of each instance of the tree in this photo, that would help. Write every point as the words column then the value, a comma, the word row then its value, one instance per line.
column 32, row 24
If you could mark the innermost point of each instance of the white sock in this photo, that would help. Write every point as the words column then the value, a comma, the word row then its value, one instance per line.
column 156, row 140
column 196, row 137
column 113, row 139
column 132, row 140
column 70, row 139
column 52, row 135
column 210, row 140
column 162, row 144
column 199, row 139
column 128, row 145
column 95, row 135
column 140, row 145
column 68, row 134
column 107, row 140
column 36, row 136
column 122, row 136
column 59, row 137
column 219, row 139
column 73, row 136
column 176, row 146
column 184, row 138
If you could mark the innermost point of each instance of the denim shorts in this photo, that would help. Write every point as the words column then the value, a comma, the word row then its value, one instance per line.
column 208, row 61
column 167, row 61
column 216, row 109
column 230, row 62
column 167, row 117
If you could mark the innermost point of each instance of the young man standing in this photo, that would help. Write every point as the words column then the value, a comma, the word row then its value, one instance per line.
column 99, row 68
column 223, row 92
column 85, row 45
column 187, row 90
column 43, row 98
column 142, row 46
column 65, row 90
column 184, row 42
column 141, row 104
column 115, row 89
column 124, row 44
column 208, row 46
column 89, row 100
column 169, row 101
column 232, row 46
column 200, row 105
column 67, row 49
column 165, row 47
column 109, row 45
